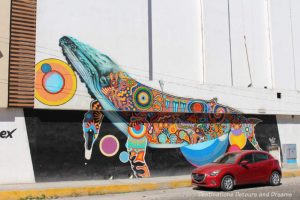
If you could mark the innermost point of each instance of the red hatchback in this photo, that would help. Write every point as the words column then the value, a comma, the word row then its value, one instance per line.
column 238, row 168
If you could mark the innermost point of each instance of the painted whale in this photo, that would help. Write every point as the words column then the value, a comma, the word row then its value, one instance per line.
column 156, row 119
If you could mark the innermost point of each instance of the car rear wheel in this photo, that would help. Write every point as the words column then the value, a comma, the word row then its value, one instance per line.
column 275, row 178
column 227, row 183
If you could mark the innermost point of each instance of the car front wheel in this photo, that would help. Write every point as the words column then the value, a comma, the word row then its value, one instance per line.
column 275, row 178
column 227, row 183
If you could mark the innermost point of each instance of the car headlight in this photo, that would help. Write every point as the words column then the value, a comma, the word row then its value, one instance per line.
column 215, row 173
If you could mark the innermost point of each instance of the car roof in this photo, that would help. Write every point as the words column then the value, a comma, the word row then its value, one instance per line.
column 247, row 151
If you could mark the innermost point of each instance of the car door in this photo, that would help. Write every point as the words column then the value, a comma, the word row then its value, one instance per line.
column 262, row 166
column 245, row 174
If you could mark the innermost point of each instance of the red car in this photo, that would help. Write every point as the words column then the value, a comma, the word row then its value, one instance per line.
column 238, row 168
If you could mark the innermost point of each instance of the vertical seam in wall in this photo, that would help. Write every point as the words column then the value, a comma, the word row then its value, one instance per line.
column 229, row 31
column 150, row 39
column 8, row 74
column 202, row 41
column 270, row 43
column 292, row 37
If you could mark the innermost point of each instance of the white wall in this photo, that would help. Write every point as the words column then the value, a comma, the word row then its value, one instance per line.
column 217, row 67
column 198, row 47
column 249, row 34
column 117, row 28
column 177, row 42
column 15, row 158
column 295, row 15
column 282, row 44
column 288, row 128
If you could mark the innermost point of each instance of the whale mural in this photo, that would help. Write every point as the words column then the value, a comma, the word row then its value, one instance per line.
column 202, row 129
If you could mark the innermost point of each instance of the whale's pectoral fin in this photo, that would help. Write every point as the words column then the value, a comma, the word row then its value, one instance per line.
column 252, row 137
column 136, row 148
column 91, row 125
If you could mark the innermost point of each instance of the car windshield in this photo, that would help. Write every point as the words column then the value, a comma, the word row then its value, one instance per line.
column 227, row 158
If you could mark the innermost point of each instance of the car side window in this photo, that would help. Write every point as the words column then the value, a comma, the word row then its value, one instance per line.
column 260, row 157
column 248, row 157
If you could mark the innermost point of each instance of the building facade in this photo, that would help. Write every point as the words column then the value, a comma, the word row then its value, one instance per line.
column 138, row 88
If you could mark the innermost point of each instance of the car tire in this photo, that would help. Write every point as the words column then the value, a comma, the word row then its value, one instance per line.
column 227, row 183
column 275, row 178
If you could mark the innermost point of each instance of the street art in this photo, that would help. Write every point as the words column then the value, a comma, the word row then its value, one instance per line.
column 201, row 129
column 57, row 150
column 55, row 82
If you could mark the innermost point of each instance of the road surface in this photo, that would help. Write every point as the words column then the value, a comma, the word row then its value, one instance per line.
column 289, row 189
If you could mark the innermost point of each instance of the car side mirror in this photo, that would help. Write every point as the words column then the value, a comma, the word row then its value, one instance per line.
column 244, row 162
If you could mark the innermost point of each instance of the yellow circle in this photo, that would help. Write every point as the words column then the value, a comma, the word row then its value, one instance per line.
column 239, row 140
column 69, row 85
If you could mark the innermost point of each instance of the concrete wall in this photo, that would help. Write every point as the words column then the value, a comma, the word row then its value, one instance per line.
column 243, row 52
column 15, row 158
column 49, row 145
column 57, row 146
column 288, row 127
column 4, row 48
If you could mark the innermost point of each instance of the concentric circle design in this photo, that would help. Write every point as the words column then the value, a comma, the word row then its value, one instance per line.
column 55, row 82
column 143, row 98
column 197, row 106
column 138, row 131
column 218, row 114
column 109, row 145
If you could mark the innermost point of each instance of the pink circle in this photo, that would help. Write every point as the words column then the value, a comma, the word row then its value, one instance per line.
column 109, row 145
column 233, row 148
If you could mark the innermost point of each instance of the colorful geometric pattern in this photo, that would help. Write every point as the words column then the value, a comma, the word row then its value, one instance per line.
column 157, row 120
column 138, row 131
column 55, row 82
column 143, row 98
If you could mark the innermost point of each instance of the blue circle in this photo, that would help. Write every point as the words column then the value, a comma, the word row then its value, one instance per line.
column 54, row 83
column 46, row 68
column 124, row 157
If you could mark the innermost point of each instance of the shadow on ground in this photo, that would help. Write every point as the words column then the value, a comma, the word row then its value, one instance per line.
column 238, row 187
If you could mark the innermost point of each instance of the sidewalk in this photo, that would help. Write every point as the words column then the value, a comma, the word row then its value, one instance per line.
column 84, row 188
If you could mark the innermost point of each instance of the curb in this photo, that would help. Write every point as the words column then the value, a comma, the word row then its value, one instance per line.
column 292, row 173
column 89, row 190
column 49, row 193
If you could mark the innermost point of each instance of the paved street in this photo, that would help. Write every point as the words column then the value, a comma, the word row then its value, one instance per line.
column 289, row 189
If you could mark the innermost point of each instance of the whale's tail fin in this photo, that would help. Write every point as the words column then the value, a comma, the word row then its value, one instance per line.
column 251, row 134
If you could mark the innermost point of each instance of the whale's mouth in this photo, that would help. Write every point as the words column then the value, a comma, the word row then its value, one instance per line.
column 93, row 67
column 88, row 146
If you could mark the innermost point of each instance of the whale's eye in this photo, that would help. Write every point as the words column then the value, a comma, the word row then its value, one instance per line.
column 90, row 131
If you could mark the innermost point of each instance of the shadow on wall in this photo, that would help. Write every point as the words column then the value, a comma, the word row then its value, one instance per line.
column 10, row 114
column 1, row 55
column 58, row 152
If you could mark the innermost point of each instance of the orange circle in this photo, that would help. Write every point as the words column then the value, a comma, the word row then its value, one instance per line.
column 69, row 87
